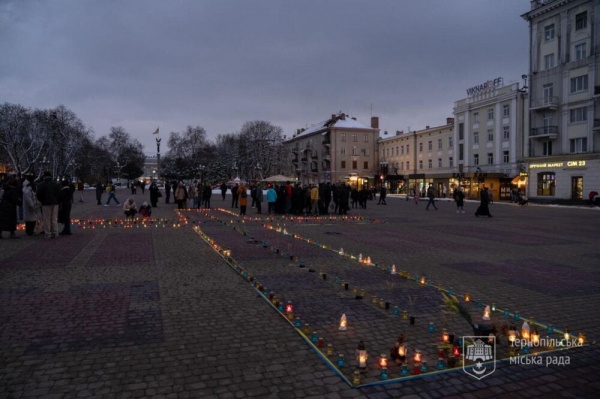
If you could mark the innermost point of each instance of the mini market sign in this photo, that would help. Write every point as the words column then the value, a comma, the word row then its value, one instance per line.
column 569, row 164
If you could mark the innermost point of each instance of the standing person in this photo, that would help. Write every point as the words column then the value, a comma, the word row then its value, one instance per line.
column 47, row 193
column 459, row 197
column 181, row 195
column 416, row 196
column 143, row 187
column 112, row 194
column 271, row 199
column 243, row 194
column 193, row 196
column 99, row 191
column 8, row 208
column 444, row 191
column 206, row 194
column 431, row 196
column 32, row 208
column 259, row 199
column 363, row 196
column 491, row 195
column 153, row 194
column 288, row 198
column 335, row 197
column 80, row 190
column 167, row 192
column 344, row 196
column 64, row 208
column 234, row 196
column 382, row 195
column 223, row 190
column 484, row 209
column 314, row 200
column 354, row 197
column 130, row 208
column 253, row 195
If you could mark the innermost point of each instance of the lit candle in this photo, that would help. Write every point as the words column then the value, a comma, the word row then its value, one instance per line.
column 402, row 352
column 417, row 356
column 581, row 338
column 423, row 280
column 383, row 361
column 486, row 313
column 445, row 336
column 535, row 337
column 343, row 323
column 393, row 269
column 525, row 331
column 467, row 297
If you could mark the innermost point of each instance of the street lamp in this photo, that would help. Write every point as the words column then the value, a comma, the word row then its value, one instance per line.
column 257, row 172
column 201, row 168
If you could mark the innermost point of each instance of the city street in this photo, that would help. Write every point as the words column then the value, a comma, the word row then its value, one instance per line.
column 147, row 311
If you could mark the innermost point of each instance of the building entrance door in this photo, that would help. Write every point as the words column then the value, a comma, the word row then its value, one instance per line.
column 577, row 187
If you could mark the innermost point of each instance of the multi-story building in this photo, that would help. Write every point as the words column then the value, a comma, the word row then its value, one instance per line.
column 563, row 144
column 488, row 138
column 419, row 159
column 150, row 169
column 340, row 148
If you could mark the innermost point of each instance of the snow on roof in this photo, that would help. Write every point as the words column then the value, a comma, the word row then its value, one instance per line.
column 347, row 123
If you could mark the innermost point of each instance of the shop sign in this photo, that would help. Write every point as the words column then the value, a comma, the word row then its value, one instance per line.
column 569, row 164
column 524, row 174
column 489, row 85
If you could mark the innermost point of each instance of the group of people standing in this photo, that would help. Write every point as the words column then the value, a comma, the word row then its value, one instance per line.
column 193, row 196
column 45, row 204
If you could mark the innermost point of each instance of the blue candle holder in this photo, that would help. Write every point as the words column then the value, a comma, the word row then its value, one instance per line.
column 384, row 373
column 336, row 281
column 424, row 367
column 404, row 371
column 517, row 316
column 506, row 313
column 298, row 323
column 550, row 329
column 431, row 327
column 479, row 303
column 451, row 291
column 396, row 310
column 285, row 255
column 440, row 364
column 281, row 308
column 460, row 342
column 526, row 349
column 314, row 337
column 377, row 265
column 340, row 361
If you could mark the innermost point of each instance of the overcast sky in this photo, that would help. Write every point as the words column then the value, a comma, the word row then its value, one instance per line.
column 217, row 64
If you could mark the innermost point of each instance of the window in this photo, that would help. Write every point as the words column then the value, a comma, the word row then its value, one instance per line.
column 354, row 151
column 578, row 115
column 402, row 165
column 343, row 164
column 343, row 136
column 366, row 165
column 476, row 138
column 581, row 21
column 355, row 137
column 407, row 149
column 461, row 131
column 476, row 117
column 461, row 152
column 407, row 165
column 420, row 147
column 439, row 162
column 366, row 138
column 579, row 83
column 549, row 32
column 580, row 51
column 343, row 151
column 354, row 164
column 490, row 158
column 402, row 150
column 505, row 157
column 506, row 110
column 430, row 164
column 549, row 61
column 397, row 152
column 439, row 144
column 491, row 114
column 387, row 152
column 578, row 145
column 490, row 135
column 430, row 146
column 547, row 148
column 365, row 152
column 506, row 132
column 450, row 142
column 420, row 164
column 548, row 92
column 450, row 162
column 475, row 159
column 546, row 183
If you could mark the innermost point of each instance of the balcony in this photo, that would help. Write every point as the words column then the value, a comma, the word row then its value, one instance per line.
column 597, row 92
column 596, row 124
column 546, row 132
column 326, row 141
column 543, row 104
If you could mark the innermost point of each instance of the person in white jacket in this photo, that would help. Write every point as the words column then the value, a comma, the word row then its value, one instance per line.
column 130, row 208
column 32, row 207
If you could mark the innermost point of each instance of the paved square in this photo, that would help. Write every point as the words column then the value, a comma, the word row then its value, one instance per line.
column 157, row 313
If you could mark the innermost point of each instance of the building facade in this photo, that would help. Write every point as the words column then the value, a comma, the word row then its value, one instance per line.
column 488, row 139
column 416, row 160
column 338, row 149
column 563, row 144
column 150, row 169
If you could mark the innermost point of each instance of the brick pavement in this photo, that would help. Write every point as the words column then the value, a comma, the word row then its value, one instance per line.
column 127, row 313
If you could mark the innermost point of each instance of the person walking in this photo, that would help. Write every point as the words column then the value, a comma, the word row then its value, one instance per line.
column 271, row 199
column 154, row 194
column 206, row 194
column 167, row 192
column 416, row 196
column 181, row 196
column 47, row 193
column 253, row 195
column 223, row 190
column 259, row 199
column 130, row 208
column 484, row 209
column 314, row 200
column 8, row 208
column 431, row 196
column 243, row 198
column 64, row 208
column 112, row 194
column 99, row 190
column 382, row 195
column 459, row 198
column 234, row 196
column 80, row 188
column 32, row 207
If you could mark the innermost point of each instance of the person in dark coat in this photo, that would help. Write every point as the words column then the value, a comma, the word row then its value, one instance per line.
column 484, row 209
column 234, row 196
column 354, row 197
column 8, row 208
column 343, row 194
column 167, row 192
column 65, row 198
column 363, row 196
column 223, row 190
column 99, row 190
column 47, row 193
column 382, row 195
column 153, row 194
column 206, row 194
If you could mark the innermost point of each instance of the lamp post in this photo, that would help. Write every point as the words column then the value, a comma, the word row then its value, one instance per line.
column 235, row 170
column 201, row 169
column 118, row 168
column 257, row 172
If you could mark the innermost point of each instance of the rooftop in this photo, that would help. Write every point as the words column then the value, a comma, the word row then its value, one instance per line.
column 338, row 121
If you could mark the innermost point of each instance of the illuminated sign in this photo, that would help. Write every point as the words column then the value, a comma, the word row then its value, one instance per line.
column 523, row 174
column 569, row 164
column 490, row 84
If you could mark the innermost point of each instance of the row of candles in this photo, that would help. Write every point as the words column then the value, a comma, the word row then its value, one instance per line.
column 300, row 219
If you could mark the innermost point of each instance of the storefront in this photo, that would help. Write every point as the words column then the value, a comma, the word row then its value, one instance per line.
column 395, row 184
column 563, row 179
